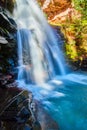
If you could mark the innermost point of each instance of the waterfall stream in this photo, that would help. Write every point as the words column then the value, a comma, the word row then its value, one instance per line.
column 40, row 57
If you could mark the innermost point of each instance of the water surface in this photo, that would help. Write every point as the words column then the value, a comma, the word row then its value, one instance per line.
column 65, row 99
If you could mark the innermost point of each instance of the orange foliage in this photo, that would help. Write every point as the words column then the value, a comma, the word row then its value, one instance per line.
column 54, row 7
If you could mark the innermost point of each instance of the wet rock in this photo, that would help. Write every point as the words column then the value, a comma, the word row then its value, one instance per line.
column 17, row 109
column 6, row 80
column 3, row 40
column 8, row 42
column 79, row 64
column 8, row 26
column 6, row 22
column 84, row 64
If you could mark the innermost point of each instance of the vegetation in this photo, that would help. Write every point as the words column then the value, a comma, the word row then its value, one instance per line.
column 71, row 15
column 75, row 30
column 81, row 5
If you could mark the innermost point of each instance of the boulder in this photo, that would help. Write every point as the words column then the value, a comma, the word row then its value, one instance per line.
column 15, row 106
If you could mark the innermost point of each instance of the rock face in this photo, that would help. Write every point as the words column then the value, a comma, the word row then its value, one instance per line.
column 17, row 108
column 8, row 52
column 6, row 21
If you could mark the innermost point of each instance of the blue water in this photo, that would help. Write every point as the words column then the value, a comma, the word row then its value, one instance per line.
column 70, row 109
column 65, row 99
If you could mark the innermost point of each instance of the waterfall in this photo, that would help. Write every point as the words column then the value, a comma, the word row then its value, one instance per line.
column 39, row 55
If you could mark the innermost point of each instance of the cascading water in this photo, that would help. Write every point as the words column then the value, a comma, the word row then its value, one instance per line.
column 39, row 55
column 40, row 59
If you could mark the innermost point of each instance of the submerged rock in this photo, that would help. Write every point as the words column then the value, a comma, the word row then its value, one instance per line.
column 46, row 121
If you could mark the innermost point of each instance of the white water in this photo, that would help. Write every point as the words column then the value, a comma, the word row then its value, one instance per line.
column 38, row 49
